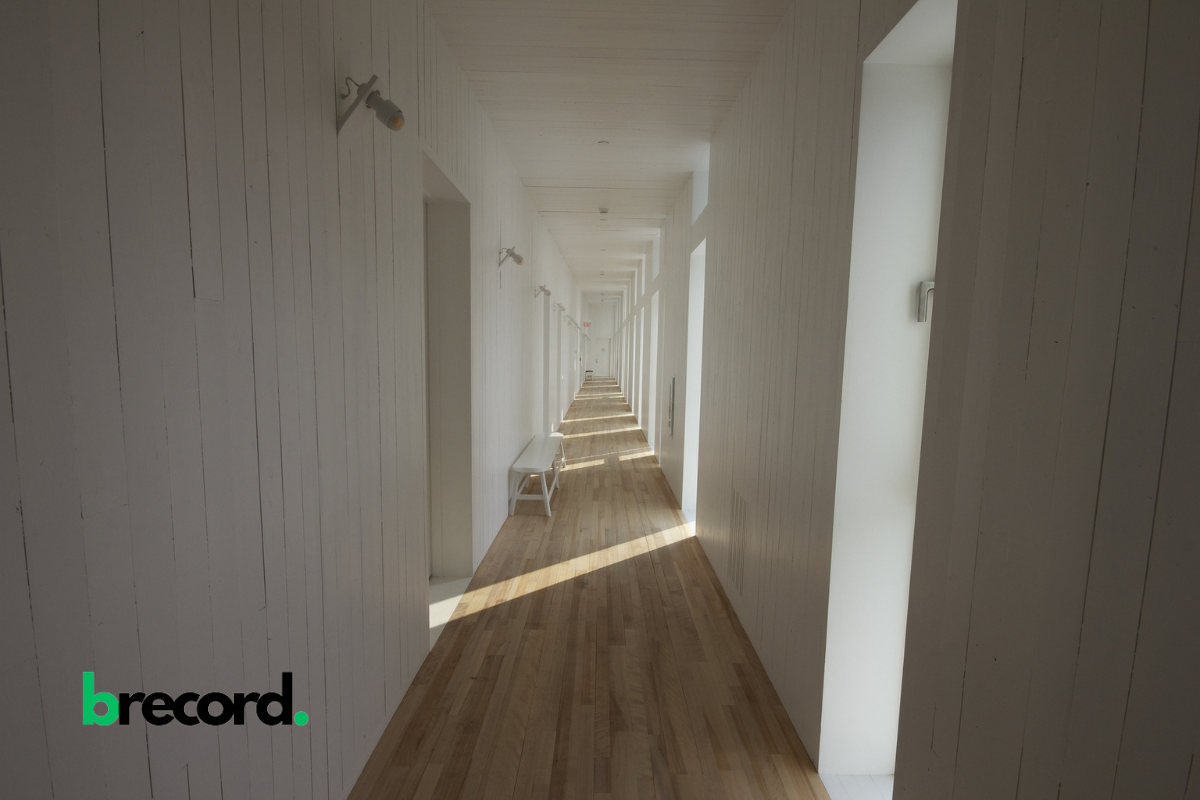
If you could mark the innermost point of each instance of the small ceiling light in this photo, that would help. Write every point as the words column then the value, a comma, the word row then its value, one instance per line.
column 602, row 141
column 511, row 252
column 603, row 210
column 387, row 112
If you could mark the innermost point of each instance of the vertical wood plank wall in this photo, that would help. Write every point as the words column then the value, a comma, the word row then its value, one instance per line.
column 777, row 265
column 506, row 319
column 214, row 466
column 212, row 439
column 1054, row 622
column 1053, row 627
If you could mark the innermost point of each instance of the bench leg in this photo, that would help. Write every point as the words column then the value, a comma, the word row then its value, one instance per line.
column 546, row 496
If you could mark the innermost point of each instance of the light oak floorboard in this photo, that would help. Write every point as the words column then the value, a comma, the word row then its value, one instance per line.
column 594, row 654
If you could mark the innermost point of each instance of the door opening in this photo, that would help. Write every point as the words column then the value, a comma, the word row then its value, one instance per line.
column 599, row 356
column 448, row 370
column 691, row 398
column 897, row 205
column 652, row 414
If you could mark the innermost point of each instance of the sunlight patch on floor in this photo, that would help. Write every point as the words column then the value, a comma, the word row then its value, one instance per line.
column 601, row 433
column 626, row 415
column 595, row 462
column 486, row 597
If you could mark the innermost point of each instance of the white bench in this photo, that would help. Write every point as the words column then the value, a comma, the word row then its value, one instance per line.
column 540, row 457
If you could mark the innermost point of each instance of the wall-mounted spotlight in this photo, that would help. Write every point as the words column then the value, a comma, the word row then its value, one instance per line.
column 540, row 290
column 387, row 112
column 511, row 252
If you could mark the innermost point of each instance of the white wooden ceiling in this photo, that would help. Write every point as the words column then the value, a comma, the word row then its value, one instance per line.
column 654, row 79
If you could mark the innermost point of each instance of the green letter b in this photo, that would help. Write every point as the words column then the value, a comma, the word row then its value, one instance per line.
column 91, row 697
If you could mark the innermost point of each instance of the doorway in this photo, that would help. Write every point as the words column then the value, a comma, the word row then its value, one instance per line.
column 599, row 353
column 901, row 153
column 652, row 377
column 691, row 397
column 560, row 322
column 448, row 370
column 639, row 377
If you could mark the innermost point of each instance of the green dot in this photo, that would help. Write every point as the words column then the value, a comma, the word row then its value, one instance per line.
column 301, row 717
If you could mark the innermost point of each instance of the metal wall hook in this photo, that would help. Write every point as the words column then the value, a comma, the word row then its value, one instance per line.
column 363, row 89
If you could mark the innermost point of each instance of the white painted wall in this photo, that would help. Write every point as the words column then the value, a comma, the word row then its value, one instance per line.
column 897, row 200
column 603, row 316
column 213, row 465
column 699, row 190
column 1054, row 617
column 508, row 339
column 1054, row 612
column 214, row 354
column 777, row 229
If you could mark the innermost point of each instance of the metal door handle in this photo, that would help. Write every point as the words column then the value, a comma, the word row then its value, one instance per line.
column 924, row 301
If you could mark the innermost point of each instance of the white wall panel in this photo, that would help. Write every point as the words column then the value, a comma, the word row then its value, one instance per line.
column 214, row 328
column 506, row 319
column 778, row 239
column 1040, row 562
column 1060, row 405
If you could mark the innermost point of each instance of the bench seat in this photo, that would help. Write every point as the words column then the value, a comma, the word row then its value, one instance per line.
column 540, row 457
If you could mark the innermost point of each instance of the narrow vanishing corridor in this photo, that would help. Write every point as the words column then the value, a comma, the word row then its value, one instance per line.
column 900, row 301
column 594, row 654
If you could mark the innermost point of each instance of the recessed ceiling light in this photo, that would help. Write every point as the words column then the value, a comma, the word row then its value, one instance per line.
column 602, row 141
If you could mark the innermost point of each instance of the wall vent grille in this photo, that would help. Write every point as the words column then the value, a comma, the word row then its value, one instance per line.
column 735, row 563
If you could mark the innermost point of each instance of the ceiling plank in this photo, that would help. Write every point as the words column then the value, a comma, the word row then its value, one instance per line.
column 651, row 81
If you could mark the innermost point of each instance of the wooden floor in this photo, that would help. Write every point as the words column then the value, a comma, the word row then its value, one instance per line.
column 594, row 655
